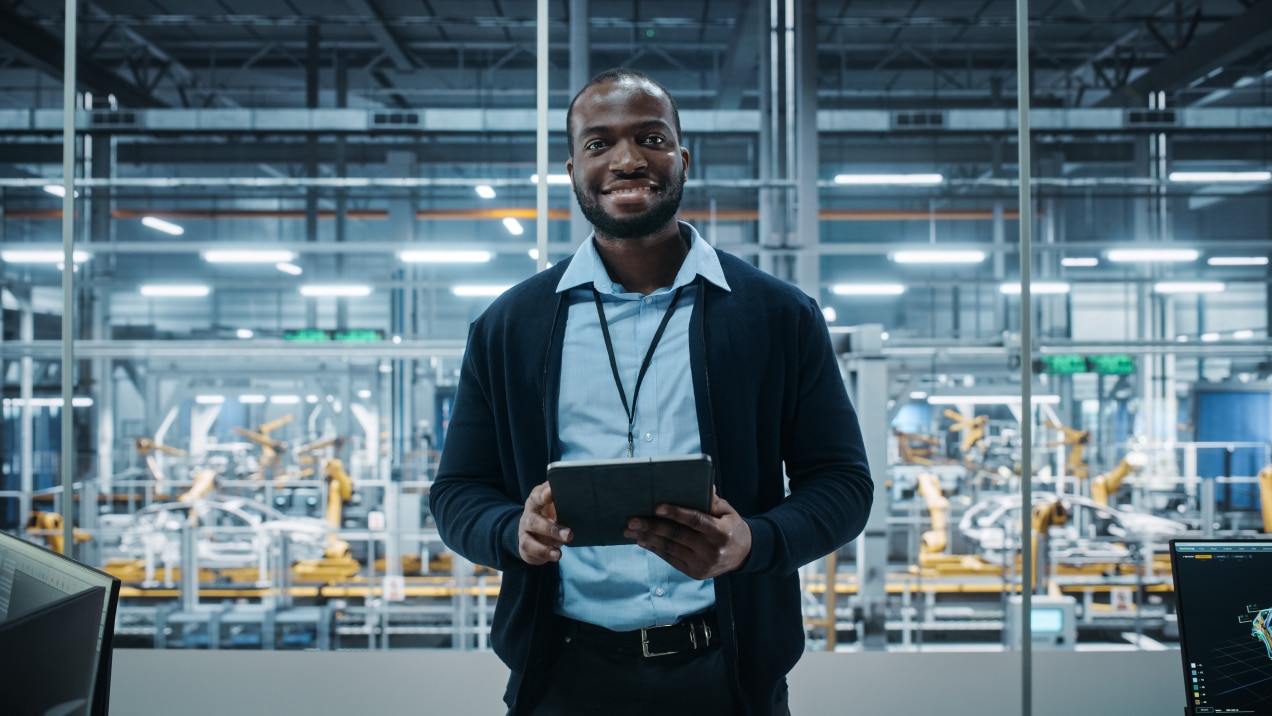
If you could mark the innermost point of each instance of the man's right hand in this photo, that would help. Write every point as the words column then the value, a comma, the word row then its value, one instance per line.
column 539, row 537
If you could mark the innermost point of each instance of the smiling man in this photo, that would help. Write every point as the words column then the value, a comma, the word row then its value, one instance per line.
column 705, row 354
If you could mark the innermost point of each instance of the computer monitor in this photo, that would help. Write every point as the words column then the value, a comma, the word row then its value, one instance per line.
column 57, row 622
column 1223, row 600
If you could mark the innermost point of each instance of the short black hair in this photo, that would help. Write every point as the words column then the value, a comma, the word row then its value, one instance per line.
column 619, row 74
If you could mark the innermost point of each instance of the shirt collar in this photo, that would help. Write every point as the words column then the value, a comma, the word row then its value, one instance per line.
column 587, row 268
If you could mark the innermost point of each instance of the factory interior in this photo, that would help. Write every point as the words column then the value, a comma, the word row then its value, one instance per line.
column 282, row 217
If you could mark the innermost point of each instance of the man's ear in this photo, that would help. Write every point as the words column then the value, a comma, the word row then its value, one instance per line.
column 684, row 157
column 569, row 168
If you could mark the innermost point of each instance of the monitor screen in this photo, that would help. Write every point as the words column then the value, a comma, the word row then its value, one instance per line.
column 1046, row 621
column 1223, row 598
column 45, row 593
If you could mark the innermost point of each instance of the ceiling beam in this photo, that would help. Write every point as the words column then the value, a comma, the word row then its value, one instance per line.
column 43, row 51
column 394, row 49
column 741, row 63
column 1233, row 40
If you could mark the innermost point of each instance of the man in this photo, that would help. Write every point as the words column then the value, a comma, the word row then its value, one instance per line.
column 648, row 342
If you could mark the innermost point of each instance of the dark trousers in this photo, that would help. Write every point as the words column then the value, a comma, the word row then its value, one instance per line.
column 587, row 677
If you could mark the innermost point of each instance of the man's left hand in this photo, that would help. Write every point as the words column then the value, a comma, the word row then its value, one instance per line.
column 699, row 544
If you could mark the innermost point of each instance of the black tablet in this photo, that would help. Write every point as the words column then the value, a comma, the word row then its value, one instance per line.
column 595, row 498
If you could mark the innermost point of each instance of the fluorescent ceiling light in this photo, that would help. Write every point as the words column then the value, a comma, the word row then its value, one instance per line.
column 830, row 314
column 1237, row 260
column 247, row 256
column 311, row 399
column 552, row 179
column 209, row 399
column 292, row 269
column 57, row 190
column 341, row 290
column 938, row 257
column 1080, row 262
column 889, row 179
column 534, row 254
column 1150, row 255
column 989, row 399
column 1189, row 287
column 918, row 395
column 160, row 225
column 41, row 256
column 284, row 399
column 1243, row 335
column 244, row 333
column 1038, row 287
column 175, row 291
column 474, row 290
column 251, row 399
column 867, row 289
column 1206, row 177
column 364, row 393
column 434, row 256
column 1209, row 337
column 513, row 226
column 76, row 402
column 485, row 191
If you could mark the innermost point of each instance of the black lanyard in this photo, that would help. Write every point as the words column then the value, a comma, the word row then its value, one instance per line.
column 644, row 366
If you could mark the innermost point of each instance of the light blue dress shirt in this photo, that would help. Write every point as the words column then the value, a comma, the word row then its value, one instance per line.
column 625, row 587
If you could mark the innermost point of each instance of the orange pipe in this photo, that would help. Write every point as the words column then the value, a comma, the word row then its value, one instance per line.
column 524, row 213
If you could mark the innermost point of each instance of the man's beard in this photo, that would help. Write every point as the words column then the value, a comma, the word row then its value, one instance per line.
column 633, row 227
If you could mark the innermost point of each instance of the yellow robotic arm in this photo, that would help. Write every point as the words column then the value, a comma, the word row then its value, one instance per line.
column 1265, row 497
column 1077, row 440
column 147, row 449
column 1106, row 485
column 912, row 454
column 50, row 523
column 973, row 429
column 934, row 540
column 1044, row 517
column 339, row 491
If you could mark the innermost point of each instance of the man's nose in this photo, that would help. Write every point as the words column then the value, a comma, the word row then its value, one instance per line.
column 627, row 158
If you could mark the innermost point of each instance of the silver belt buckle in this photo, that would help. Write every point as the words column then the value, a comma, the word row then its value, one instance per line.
column 644, row 642
column 693, row 639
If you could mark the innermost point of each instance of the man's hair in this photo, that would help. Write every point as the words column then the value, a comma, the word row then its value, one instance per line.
column 619, row 74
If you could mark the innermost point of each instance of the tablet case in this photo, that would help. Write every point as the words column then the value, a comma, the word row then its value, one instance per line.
column 595, row 498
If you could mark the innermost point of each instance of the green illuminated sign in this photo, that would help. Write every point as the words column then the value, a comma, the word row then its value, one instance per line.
column 1062, row 364
column 358, row 335
column 1069, row 364
column 1116, row 364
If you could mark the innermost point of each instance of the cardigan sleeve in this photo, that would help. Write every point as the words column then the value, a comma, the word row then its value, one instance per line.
column 472, row 499
column 831, row 489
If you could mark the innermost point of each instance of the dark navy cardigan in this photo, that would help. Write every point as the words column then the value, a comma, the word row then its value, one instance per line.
column 769, row 392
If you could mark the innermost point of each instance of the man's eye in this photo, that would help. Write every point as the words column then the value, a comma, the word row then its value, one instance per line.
column 596, row 144
column 653, row 139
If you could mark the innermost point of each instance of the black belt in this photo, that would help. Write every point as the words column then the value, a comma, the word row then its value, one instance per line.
column 693, row 633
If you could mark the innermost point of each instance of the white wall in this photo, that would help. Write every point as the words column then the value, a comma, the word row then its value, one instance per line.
column 161, row 683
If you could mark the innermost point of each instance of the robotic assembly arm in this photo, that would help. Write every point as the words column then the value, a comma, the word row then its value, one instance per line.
column 339, row 491
column 1077, row 440
column 1106, row 485
column 1044, row 517
column 934, row 540
column 147, row 449
column 1265, row 501
column 913, row 454
column 50, row 523
column 271, row 449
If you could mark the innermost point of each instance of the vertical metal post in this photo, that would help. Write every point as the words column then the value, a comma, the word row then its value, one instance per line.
column 867, row 387
column 541, row 134
column 580, row 73
column 26, row 390
column 68, row 274
column 807, row 234
column 1026, row 347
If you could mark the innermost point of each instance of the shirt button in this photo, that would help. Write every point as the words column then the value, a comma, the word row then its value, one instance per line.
column 660, row 591
column 649, row 300
column 649, row 437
